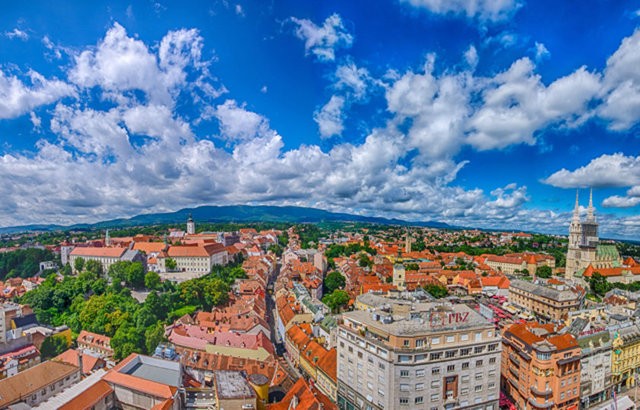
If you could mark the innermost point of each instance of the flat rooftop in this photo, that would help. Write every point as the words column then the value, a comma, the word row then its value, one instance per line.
column 423, row 318
column 231, row 384
column 153, row 369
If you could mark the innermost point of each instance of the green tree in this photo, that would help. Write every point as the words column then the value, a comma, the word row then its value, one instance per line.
column 544, row 272
column 66, row 269
column 135, row 275
column 437, row 291
column 93, row 266
column 599, row 284
column 53, row 346
column 336, row 300
column 153, row 336
column 411, row 266
column 118, row 271
column 152, row 280
column 170, row 264
column 79, row 264
column 334, row 280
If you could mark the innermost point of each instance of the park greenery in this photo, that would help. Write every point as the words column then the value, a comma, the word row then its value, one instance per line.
column 23, row 263
column 103, row 304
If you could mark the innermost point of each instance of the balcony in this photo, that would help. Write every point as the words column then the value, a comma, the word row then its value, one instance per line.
column 514, row 372
column 537, row 405
column 514, row 359
column 541, row 393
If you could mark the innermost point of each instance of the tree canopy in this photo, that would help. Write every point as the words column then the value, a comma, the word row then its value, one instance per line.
column 334, row 280
column 336, row 300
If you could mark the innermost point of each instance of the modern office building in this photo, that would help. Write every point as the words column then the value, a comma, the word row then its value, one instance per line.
column 426, row 356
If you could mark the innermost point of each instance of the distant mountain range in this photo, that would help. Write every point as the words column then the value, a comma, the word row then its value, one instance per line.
column 233, row 213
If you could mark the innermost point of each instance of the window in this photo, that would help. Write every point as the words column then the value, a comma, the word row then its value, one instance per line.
column 449, row 354
column 450, row 339
column 492, row 360
column 419, row 400
column 404, row 401
column 435, row 340
column 381, row 392
column 465, row 365
column 420, row 343
column 404, row 373
column 420, row 373
column 435, row 370
column 478, row 376
column 435, row 384
column 381, row 366
column 465, row 378
column 491, row 385
column 478, row 337
column 464, row 391
column 406, row 343
column 435, row 397
column 369, row 385
column 419, row 386
column 404, row 387
column 465, row 352
column 435, row 356
column 478, row 363
column 478, row 388
column 404, row 358
column 380, row 379
column 451, row 367
column 478, row 349
column 492, row 347
column 464, row 337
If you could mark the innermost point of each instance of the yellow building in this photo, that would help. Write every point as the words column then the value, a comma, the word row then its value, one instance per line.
column 625, row 358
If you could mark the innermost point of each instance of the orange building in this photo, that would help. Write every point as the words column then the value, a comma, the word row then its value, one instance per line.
column 540, row 368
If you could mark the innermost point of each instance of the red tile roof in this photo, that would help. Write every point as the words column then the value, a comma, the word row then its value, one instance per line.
column 89, row 398
column 98, row 252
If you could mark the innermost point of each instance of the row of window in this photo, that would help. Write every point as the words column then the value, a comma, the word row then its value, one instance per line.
column 436, row 340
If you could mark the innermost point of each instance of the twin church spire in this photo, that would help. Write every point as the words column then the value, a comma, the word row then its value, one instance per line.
column 591, row 217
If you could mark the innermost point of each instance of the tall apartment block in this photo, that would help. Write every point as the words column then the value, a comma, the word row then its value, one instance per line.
column 425, row 356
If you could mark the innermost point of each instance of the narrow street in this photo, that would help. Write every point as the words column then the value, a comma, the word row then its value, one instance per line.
column 276, row 339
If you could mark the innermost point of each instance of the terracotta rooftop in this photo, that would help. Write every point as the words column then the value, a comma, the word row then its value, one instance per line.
column 89, row 362
column 89, row 398
column 98, row 252
column 13, row 389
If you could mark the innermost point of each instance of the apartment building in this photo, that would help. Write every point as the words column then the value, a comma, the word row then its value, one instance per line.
column 541, row 368
column 625, row 359
column 551, row 302
column 595, row 365
column 430, row 356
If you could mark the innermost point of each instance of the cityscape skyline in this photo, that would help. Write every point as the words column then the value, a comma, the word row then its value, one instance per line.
column 473, row 114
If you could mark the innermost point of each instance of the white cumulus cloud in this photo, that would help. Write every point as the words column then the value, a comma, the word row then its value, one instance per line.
column 330, row 117
column 323, row 40
column 484, row 10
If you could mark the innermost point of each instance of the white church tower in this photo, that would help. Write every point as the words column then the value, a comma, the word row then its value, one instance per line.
column 191, row 226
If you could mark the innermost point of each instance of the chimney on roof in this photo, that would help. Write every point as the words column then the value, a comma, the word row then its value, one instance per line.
column 80, row 361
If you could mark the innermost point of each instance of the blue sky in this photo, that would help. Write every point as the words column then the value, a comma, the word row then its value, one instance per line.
column 477, row 113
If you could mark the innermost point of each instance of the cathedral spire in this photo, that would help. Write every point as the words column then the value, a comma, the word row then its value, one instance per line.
column 590, row 209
